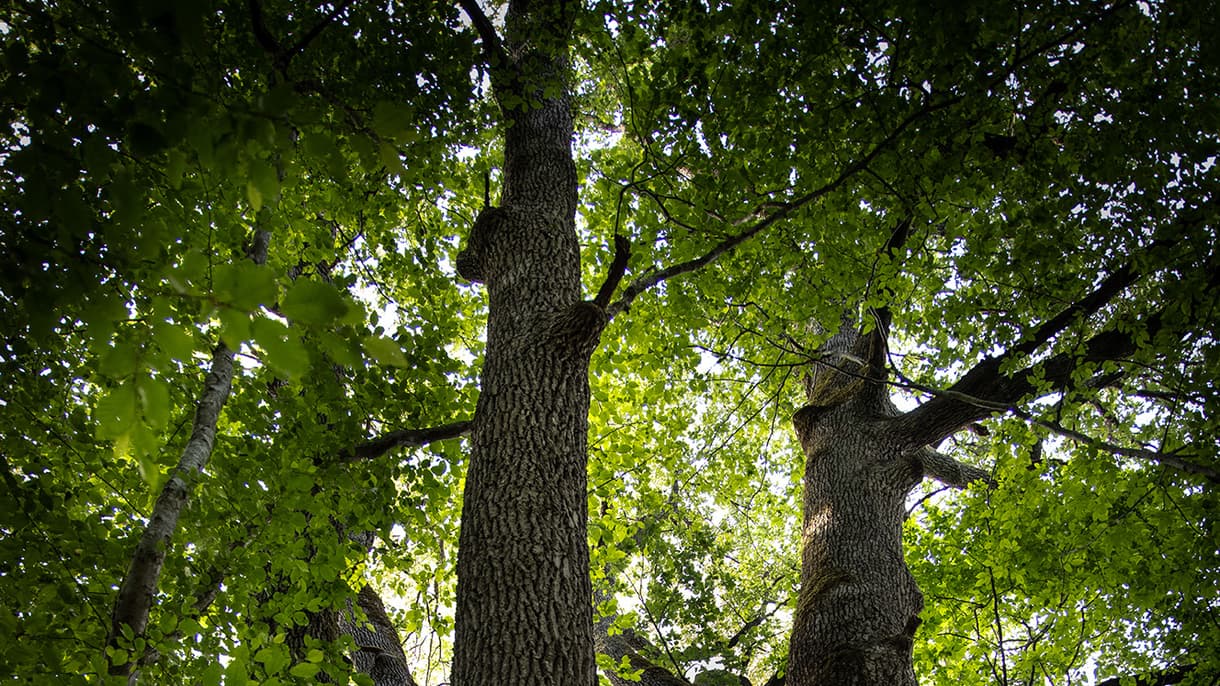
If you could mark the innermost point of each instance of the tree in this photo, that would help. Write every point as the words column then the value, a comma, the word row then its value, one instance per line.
column 999, row 219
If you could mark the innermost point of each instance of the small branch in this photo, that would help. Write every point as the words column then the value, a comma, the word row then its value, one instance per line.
column 642, row 284
column 1172, row 460
column 951, row 472
column 313, row 33
column 1163, row 677
column 618, row 267
column 405, row 438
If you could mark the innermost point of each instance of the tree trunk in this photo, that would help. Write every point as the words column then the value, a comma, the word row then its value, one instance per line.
column 524, row 601
column 859, row 606
column 378, row 650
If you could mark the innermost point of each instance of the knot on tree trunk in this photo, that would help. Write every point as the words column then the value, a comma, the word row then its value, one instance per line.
column 577, row 328
column 471, row 263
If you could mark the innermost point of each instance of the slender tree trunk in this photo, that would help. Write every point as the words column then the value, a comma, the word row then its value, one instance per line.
column 524, row 602
column 139, row 587
column 859, row 606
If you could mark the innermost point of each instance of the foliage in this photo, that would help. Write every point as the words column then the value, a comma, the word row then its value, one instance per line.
column 1033, row 148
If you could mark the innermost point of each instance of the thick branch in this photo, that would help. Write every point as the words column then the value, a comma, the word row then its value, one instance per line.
column 618, row 267
column 628, row 645
column 1106, row 291
column 986, row 390
column 261, row 33
column 951, row 472
column 405, row 438
column 493, row 51
column 378, row 648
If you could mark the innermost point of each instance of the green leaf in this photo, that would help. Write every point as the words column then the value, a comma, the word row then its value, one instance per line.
column 313, row 302
column 175, row 166
column 264, row 185
column 116, row 411
column 284, row 351
column 121, row 360
column 175, row 341
column 244, row 285
column 393, row 119
column 154, row 401
column 305, row 670
column 274, row 658
column 234, row 327
column 385, row 351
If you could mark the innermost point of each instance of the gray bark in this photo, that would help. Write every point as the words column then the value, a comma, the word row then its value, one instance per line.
column 139, row 587
column 378, row 650
column 524, row 611
column 859, row 606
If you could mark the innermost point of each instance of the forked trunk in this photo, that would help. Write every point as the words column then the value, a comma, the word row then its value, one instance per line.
column 859, row 606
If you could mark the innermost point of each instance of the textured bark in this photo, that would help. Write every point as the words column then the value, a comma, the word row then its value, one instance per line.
column 379, row 652
column 629, row 645
column 859, row 606
column 524, row 611
column 139, row 586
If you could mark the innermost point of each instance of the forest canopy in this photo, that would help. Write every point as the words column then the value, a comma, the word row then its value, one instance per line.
column 687, row 342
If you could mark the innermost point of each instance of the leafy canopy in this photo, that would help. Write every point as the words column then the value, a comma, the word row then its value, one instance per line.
column 1032, row 147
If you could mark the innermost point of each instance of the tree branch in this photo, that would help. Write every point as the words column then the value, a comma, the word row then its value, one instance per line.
column 618, row 267
column 1172, row 460
column 951, row 472
column 1162, row 677
column 493, row 50
column 261, row 33
column 404, row 438
column 643, row 283
column 986, row 390
column 314, row 32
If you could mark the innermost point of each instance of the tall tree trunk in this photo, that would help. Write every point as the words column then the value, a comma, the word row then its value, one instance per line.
column 524, row 602
column 859, row 605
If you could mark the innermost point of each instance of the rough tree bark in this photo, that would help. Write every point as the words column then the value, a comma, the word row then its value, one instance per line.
column 858, row 611
column 378, row 650
column 524, row 609
column 859, row 606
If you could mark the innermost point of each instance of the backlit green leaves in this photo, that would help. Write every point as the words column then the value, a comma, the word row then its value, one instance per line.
column 384, row 351
column 314, row 303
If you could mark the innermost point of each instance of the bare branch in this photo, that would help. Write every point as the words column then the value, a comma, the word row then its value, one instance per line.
column 618, row 267
column 405, row 438
column 1174, row 460
column 951, row 472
